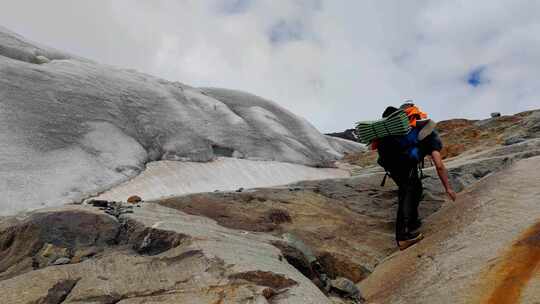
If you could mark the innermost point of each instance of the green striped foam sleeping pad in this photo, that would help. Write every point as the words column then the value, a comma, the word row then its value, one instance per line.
column 396, row 123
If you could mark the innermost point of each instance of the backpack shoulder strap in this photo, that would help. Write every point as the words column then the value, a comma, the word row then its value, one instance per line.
column 383, row 182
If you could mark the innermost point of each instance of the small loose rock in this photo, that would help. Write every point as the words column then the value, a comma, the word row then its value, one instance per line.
column 61, row 261
column 268, row 293
column 41, row 59
column 513, row 140
column 134, row 199
column 347, row 289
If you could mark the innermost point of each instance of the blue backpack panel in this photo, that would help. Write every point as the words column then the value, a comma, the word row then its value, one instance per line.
column 399, row 152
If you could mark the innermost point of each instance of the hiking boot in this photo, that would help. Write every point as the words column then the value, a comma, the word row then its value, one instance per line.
column 412, row 239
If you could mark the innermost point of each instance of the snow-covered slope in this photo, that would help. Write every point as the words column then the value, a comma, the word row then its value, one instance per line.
column 170, row 178
column 70, row 127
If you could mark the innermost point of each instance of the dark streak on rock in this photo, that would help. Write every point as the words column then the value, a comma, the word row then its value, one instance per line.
column 150, row 241
column 296, row 258
column 278, row 216
column 265, row 278
column 59, row 292
column 181, row 257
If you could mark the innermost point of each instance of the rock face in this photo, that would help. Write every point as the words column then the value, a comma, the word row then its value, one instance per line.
column 330, row 217
column 347, row 134
column 483, row 249
column 152, row 255
column 70, row 127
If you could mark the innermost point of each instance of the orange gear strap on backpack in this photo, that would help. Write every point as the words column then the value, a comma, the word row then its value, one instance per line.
column 414, row 114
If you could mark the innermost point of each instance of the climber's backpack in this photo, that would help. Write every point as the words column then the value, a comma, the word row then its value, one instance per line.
column 397, row 152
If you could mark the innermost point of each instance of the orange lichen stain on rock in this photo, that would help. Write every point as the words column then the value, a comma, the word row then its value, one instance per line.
column 511, row 274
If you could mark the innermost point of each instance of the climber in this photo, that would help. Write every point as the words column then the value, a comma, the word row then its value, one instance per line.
column 400, row 157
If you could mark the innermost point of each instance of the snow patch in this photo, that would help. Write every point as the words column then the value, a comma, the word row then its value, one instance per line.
column 268, row 119
column 167, row 178
column 113, row 149
column 104, row 157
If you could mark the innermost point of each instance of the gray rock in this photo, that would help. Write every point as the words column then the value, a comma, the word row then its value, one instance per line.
column 347, row 288
column 484, row 122
column 61, row 261
column 41, row 59
column 467, row 170
column 299, row 245
column 513, row 140
column 495, row 114
column 295, row 188
column 156, row 252
column 45, row 237
column 532, row 123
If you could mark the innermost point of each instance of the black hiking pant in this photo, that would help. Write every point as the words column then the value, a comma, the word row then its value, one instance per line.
column 409, row 196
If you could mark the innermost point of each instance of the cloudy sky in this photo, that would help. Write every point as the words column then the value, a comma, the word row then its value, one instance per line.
column 332, row 61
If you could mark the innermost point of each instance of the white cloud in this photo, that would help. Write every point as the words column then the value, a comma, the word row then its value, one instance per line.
column 331, row 61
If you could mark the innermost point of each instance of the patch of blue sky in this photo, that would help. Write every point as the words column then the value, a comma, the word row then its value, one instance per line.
column 477, row 77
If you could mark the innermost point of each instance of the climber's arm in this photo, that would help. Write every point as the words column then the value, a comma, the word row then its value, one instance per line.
column 443, row 174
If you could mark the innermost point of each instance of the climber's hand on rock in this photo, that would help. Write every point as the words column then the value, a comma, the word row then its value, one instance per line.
column 451, row 194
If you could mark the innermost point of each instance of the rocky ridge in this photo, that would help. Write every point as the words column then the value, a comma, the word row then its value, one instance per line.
column 463, row 136
column 272, row 245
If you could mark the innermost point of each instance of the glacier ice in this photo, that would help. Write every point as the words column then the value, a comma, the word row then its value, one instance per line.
column 70, row 127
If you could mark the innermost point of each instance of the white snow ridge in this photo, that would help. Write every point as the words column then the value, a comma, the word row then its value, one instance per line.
column 70, row 128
